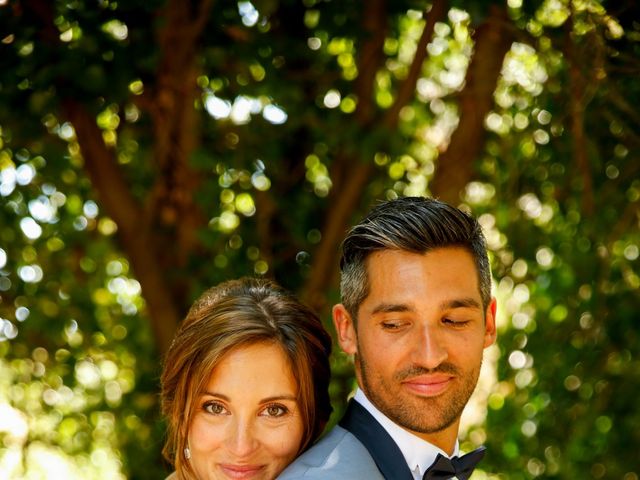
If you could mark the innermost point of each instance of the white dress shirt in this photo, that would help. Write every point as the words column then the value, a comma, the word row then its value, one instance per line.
column 418, row 453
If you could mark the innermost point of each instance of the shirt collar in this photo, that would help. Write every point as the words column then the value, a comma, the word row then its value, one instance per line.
column 418, row 453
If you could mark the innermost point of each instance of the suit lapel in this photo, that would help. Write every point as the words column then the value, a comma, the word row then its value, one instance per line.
column 377, row 441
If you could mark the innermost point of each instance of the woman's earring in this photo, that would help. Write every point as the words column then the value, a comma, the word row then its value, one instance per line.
column 187, row 453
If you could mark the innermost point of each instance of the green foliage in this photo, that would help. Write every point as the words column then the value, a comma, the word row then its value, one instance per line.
column 568, row 365
column 283, row 120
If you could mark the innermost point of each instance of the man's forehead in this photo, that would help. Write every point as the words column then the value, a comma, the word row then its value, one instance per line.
column 449, row 304
column 397, row 280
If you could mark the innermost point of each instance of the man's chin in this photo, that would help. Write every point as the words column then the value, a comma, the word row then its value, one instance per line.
column 438, row 413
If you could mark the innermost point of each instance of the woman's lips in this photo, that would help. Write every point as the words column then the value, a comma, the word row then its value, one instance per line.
column 241, row 471
column 428, row 386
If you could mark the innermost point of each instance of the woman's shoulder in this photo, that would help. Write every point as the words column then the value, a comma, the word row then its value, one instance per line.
column 172, row 476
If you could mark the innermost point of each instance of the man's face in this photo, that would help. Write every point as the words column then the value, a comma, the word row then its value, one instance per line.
column 420, row 336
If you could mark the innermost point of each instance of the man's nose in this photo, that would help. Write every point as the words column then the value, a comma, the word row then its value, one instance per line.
column 242, row 440
column 430, row 348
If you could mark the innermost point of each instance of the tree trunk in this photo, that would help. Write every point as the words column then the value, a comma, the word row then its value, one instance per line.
column 173, row 215
column 159, row 237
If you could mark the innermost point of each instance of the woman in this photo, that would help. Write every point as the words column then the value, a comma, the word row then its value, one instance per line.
column 245, row 383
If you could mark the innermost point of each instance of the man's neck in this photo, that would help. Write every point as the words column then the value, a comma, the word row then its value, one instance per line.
column 445, row 442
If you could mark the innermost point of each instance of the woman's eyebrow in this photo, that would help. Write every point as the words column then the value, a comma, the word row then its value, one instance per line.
column 264, row 400
column 215, row 394
column 279, row 397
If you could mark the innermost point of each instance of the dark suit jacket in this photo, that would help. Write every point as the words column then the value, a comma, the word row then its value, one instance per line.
column 358, row 449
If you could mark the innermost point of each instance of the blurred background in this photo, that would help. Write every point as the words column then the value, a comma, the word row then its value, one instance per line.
column 150, row 149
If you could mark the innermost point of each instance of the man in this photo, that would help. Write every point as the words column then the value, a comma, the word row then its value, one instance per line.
column 416, row 314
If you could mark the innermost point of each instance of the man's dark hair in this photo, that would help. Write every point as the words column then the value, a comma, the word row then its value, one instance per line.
column 411, row 224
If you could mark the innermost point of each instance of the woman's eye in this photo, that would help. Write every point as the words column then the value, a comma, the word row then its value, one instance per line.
column 214, row 408
column 275, row 411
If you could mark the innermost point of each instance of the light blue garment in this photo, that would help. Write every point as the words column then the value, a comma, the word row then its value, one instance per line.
column 337, row 456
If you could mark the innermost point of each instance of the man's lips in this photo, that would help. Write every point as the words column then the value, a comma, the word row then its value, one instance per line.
column 428, row 386
column 240, row 471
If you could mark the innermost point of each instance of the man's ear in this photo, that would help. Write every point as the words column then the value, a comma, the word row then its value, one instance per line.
column 345, row 329
column 490, row 324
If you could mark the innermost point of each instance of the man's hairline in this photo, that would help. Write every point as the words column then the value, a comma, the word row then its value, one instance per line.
column 369, row 254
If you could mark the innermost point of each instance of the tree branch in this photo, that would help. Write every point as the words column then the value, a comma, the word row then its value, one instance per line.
column 115, row 196
column 407, row 89
column 349, row 175
column 370, row 58
column 493, row 40
column 577, row 108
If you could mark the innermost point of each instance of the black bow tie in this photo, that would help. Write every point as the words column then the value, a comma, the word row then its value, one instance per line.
column 460, row 467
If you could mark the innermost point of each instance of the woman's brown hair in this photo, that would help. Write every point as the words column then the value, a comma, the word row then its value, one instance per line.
column 233, row 314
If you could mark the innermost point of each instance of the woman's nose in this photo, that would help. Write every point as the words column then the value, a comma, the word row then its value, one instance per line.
column 242, row 439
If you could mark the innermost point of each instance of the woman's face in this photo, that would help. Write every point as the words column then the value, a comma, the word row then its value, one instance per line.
column 248, row 423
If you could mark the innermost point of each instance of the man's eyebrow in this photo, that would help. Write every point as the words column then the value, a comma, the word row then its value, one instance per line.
column 467, row 302
column 391, row 308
